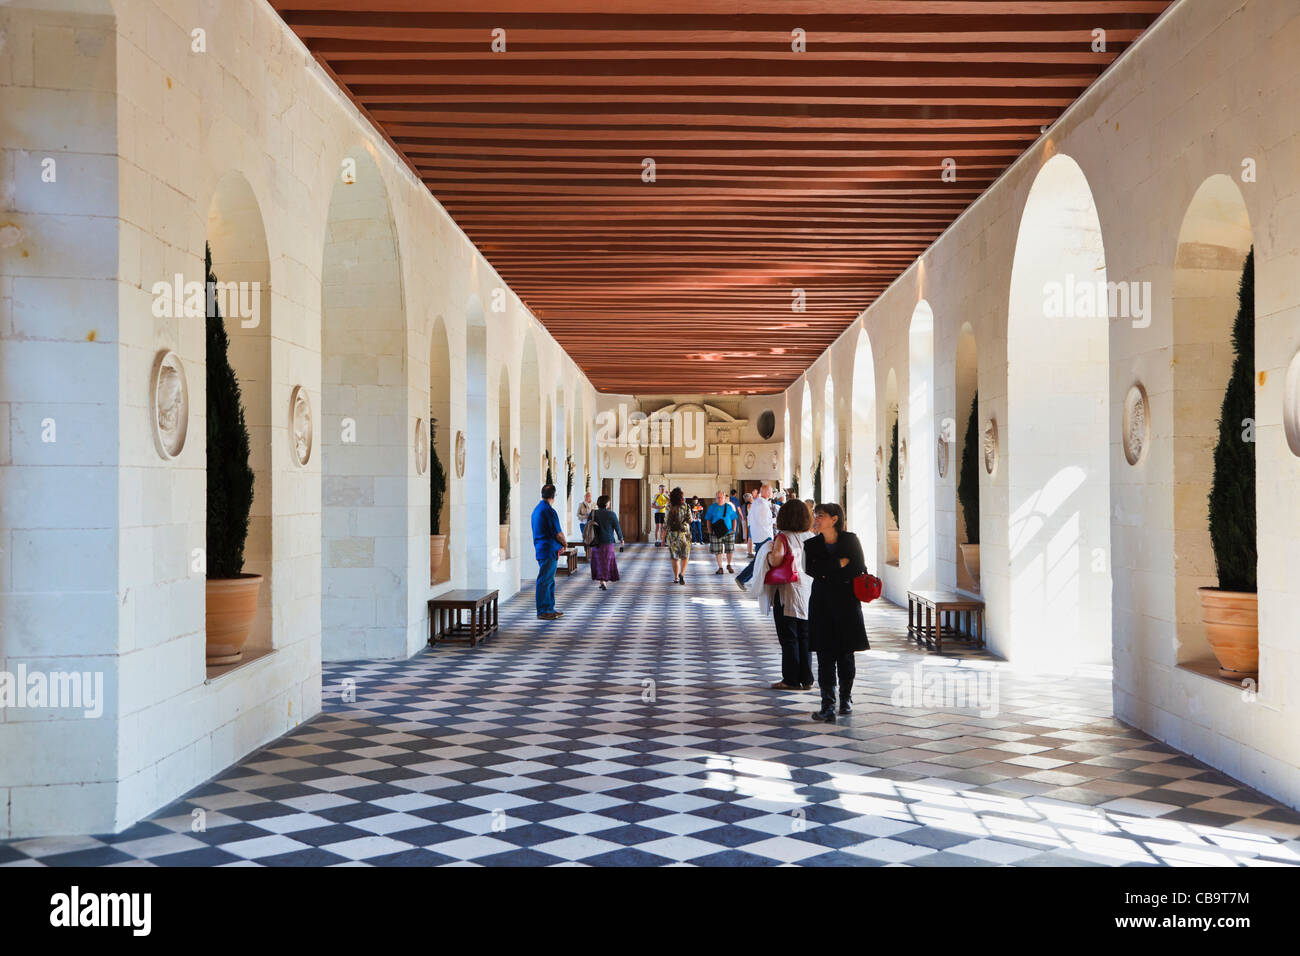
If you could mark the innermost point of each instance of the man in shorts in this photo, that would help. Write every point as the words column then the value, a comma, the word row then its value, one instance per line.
column 661, row 508
column 722, row 513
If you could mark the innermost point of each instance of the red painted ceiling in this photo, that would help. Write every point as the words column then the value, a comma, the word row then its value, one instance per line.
column 775, row 170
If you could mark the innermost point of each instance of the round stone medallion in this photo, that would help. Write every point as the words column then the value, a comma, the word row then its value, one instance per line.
column 460, row 454
column 421, row 447
column 169, row 405
column 301, row 428
column 991, row 446
column 1137, row 424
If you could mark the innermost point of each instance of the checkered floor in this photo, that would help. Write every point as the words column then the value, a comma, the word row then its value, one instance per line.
column 638, row 730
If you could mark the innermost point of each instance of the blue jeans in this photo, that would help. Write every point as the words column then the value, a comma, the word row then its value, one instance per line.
column 545, row 587
column 744, row 576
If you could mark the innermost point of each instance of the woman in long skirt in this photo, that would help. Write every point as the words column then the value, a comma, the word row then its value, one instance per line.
column 604, row 566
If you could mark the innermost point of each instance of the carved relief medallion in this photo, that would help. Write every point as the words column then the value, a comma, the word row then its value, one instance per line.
column 421, row 447
column 1137, row 424
column 941, row 456
column 169, row 404
column 301, row 428
column 991, row 446
column 460, row 454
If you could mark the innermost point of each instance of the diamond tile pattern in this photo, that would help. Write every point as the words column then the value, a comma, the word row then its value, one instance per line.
column 639, row 731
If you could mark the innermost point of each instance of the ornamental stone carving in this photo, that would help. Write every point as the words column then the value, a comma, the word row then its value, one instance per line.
column 493, row 461
column 514, row 468
column 991, row 446
column 749, row 461
column 169, row 405
column 301, row 428
column 1137, row 424
column 1291, row 406
column 880, row 463
column 604, row 461
column 941, row 456
column 421, row 447
column 630, row 459
column 460, row 454
column 902, row 458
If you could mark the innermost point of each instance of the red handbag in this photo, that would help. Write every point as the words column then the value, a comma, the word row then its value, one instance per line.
column 785, row 572
column 867, row 587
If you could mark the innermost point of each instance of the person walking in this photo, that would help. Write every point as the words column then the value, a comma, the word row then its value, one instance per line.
column 697, row 513
column 721, row 520
column 740, row 518
column 677, row 522
column 788, row 597
column 660, row 505
column 760, row 529
column 835, row 627
column 605, row 532
column 548, row 542
column 585, row 508
column 744, row 521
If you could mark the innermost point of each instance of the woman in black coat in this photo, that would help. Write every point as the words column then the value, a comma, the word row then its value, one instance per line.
column 835, row 628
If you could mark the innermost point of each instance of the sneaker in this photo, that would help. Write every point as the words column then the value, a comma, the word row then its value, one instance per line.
column 548, row 617
column 741, row 585
column 558, row 613
column 826, row 715
column 782, row 685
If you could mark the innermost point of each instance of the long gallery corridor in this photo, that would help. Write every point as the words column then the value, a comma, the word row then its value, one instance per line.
column 638, row 731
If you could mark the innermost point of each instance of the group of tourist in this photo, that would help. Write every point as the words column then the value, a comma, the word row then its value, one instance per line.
column 805, row 558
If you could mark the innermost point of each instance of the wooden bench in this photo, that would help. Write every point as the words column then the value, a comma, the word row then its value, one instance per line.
column 445, row 622
column 962, row 612
column 567, row 561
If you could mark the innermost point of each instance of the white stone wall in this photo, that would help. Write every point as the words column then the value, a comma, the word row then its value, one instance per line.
column 97, row 531
column 1211, row 85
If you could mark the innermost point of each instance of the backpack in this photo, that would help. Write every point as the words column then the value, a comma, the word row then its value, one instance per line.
column 589, row 534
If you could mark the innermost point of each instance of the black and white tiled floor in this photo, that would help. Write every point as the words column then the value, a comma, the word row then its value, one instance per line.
column 638, row 730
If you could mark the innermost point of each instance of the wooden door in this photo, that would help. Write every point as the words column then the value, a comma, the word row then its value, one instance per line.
column 629, row 508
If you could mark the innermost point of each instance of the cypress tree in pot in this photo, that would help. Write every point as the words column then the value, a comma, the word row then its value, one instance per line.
column 503, row 502
column 1230, row 612
column 891, row 534
column 231, row 594
column 968, row 492
column 437, row 493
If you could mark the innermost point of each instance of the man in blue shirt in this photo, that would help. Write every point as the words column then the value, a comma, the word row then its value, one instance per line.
column 548, row 542
column 722, row 512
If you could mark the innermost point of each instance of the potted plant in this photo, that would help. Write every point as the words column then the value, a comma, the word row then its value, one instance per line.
column 817, row 480
column 503, row 503
column 231, row 594
column 437, row 491
column 891, row 534
column 1230, row 612
column 968, row 493
column 568, row 490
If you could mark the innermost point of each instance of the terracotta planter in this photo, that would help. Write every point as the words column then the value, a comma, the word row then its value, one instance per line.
column 1232, row 627
column 891, row 545
column 970, row 556
column 437, row 554
column 505, row 540
column 231, row 607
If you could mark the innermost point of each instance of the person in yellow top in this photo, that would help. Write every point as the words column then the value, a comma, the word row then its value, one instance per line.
column 660, row 505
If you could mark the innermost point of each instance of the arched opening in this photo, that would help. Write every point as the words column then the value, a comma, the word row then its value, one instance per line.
column 830, row 463
column 559, row 465
column 862, row 504
column 786, row 442
column 919, row 460
column 1213, row 241
column 1058, row 440
column 506, row 495
column 364, row 429
column 480, row 507
column 441, row 557
column 965, row 462
column 804, row 477
column 240, row 261
column 887, row 457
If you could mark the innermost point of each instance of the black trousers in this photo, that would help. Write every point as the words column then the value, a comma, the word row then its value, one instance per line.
column 796, row 659
column 827, row 666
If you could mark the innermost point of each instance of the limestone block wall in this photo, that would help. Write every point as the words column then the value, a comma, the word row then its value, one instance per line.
column 59, row 455
column 152, row 128
column 1208, row 91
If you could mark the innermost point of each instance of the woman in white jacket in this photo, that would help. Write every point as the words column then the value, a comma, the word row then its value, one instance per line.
column 789, row 601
